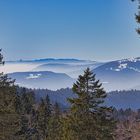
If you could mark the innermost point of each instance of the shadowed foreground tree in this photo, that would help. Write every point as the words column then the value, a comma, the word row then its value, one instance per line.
column 26, row 109
column 44, row 113
column 9, row 119
column 89, row 118
column 54, row 131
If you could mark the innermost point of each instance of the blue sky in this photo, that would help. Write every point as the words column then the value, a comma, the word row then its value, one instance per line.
column 85, row 29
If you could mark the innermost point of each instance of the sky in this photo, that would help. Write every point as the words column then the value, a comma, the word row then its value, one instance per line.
column 98, row 30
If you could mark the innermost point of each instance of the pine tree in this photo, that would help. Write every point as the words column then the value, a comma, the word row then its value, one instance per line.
column 48, row 107
column 89, row 118
column 26, row 103
column 54, row 129
column 9, row 118
column 43, row 117
column 137, row 16
column 1, row 58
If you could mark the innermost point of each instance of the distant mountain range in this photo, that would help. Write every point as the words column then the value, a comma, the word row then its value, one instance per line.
column 72, row 67
column 61, row 73
column 121, row 74
column 53, row 60
column 117, row 99
column 42, row 79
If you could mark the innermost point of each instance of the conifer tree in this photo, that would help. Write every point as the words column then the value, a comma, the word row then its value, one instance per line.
column 27, row 101
column 9, row 118
column 89, row 118
column 137, row 16
column 43, row 117
column 26, row 104
column 48, row 107
column 54, row 130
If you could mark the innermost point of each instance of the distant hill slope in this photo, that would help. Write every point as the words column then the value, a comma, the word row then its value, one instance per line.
column 71, row 67
column 47, row 73
column 121, row 74
column 124, row 99
column 42, row 79
column 118, row 99
column 59, row 96
column 53, row 60
column 115, row 75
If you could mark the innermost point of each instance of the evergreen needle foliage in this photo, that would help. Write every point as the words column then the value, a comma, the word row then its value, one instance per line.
column 9, row 119
column 89, row 118
column 137, row 16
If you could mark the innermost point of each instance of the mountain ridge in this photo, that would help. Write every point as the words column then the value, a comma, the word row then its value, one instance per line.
column 42, row 79
column 115, row 75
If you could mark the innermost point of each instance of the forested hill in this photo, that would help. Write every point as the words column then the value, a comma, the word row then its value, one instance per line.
column 124, row 99
column 118, row 99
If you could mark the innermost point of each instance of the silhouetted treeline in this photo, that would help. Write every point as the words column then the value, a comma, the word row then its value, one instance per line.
column 132, row 91
column 124, row 99
column 118, row 99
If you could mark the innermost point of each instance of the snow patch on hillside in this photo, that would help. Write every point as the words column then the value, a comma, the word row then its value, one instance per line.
column 130, row 60
column 135, row 69
column 33, row 76
column 117, row 70
column 123, row 66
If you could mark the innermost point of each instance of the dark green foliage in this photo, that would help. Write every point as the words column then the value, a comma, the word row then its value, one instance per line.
column 48, row 106
column 54, row 131
column 137, row 16
column 1, row 58
column 9, row 118
column 43, row 117
column 7, row 94
column 88, row 119
column 27, row 101
column 26, row 110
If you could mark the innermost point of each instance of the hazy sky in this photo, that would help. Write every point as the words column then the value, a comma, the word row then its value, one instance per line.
column 85, row 29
